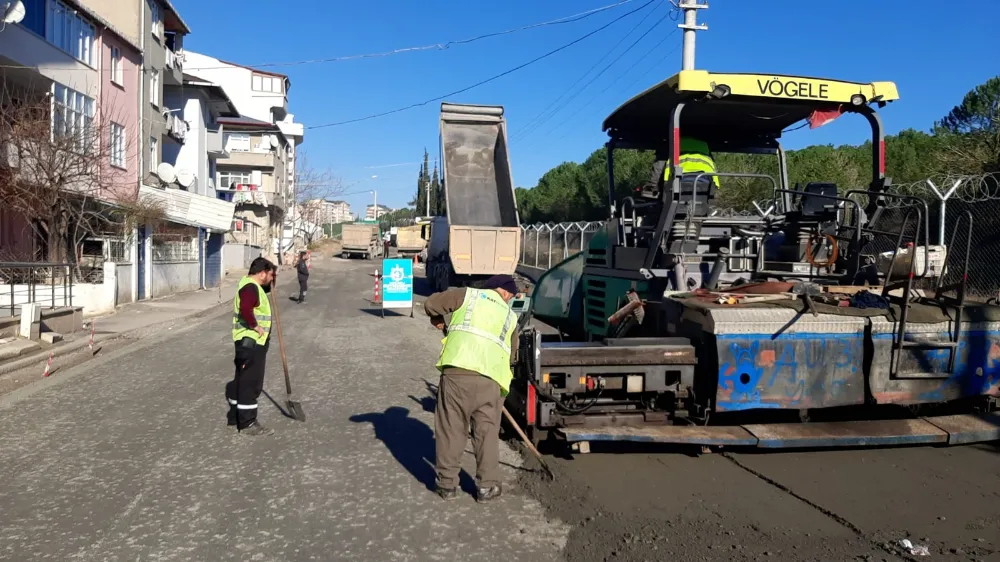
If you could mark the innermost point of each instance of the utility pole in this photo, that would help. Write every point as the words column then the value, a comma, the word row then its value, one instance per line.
column 428, row 188
column 690, row 27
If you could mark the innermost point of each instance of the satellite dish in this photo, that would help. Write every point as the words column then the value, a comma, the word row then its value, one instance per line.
column 185, row 177
column 13, row 12
column 275, row 143
column 166, row 172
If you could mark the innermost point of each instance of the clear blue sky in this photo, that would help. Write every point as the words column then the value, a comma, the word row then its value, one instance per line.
column 933, row 61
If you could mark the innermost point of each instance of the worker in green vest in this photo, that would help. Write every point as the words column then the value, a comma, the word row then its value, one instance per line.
column 475, row 364
column 695, row 158
column 251, row 336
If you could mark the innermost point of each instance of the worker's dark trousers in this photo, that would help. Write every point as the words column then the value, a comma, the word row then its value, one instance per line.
column 246, row 386
column 303, row 287
column 461, row 400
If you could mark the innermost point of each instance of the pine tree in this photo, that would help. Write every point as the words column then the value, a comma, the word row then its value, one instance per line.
column 437, row 195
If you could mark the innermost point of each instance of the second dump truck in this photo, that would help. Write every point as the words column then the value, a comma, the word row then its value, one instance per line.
column 481, row 234
column 361, row 240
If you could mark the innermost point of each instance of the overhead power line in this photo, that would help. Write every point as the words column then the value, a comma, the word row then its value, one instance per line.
column 432, row 47
column 606, row 68
column 543, row 116
column 486, row 81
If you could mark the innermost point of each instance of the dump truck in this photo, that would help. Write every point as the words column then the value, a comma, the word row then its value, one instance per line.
column 682, row 325
column 409, row 240
column 363, row 240
column 480, row 235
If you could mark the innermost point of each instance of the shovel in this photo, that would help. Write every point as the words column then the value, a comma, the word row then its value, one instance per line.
column 294, row 407
column 527, row 442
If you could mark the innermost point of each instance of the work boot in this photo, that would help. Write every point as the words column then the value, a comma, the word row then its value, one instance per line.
column 484, row 495
column 254, row 429
column 447, row 493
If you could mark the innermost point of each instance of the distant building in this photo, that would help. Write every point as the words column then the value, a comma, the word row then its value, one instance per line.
column 325, row 211
column 370, row 212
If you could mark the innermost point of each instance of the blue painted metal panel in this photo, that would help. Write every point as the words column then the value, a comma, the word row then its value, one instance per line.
column 792, row 371
column 201, row 258
column 141, row 263
column 977, row 369
column 213, row 260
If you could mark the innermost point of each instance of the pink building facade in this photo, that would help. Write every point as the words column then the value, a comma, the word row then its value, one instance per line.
column 118, row 109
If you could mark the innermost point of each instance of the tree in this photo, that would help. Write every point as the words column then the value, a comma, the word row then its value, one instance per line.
column 63, row 173
column 438, row 206
column 971, row 131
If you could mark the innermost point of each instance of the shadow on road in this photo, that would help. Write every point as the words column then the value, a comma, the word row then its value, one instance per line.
column 278, row 406
column 387, row 312
column 411, row 443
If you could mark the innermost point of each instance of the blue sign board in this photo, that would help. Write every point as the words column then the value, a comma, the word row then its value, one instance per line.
column 397, row 281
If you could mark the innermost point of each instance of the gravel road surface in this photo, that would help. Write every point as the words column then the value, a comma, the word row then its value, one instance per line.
column 127, row 457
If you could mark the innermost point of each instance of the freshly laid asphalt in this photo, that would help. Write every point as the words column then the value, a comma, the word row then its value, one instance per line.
column 127, row 457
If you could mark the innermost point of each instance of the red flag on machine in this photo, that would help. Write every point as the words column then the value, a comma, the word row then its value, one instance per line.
column 819, row 117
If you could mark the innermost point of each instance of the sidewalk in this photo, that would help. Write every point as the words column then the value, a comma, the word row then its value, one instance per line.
column 131, row 318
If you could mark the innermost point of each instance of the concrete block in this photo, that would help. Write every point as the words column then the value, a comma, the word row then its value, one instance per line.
column 51, row 337
column 31, row 319
column 16, row 348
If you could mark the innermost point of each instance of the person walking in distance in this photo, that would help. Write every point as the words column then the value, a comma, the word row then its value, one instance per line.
column 480, row 346
column 302, row 269
column 251, row 337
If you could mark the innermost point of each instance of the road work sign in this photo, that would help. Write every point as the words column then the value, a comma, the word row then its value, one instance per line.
column 397, row 280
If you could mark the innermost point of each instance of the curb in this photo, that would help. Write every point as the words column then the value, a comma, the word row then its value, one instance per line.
column 76, row 345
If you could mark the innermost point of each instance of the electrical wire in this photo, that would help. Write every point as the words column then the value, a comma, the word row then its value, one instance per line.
column 535, row 121
column 488, row 80
column 433, row 47
column 528, row 132
column 623, row 53
column 628, row 88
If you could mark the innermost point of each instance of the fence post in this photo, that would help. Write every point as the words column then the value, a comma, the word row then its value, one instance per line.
column 943, row 207
column 538, row 234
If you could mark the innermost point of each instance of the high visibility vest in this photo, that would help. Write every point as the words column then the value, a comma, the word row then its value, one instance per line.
column 479, row 339
column 262, row 312
column 693, row 163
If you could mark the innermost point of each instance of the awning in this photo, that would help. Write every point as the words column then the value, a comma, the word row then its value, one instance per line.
column 191, row 209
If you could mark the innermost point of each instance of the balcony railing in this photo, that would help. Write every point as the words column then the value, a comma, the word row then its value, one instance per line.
column 214, row 143
column 175, row 60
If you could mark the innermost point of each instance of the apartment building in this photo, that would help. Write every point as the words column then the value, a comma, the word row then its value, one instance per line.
column 261, row 148
column 326, row 211
column 100, row 71
column 372, row 214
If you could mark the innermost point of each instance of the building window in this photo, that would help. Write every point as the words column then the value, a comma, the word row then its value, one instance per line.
column 117, row 145
column 154, row 154
column 237, row 142
column 154, row 88
column 117, row 70
column 68, row 30
column 270, row 84
column 72, row 116
column 156, row 17
column 229, row 179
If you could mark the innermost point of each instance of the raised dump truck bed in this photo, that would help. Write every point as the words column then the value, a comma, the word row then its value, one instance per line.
column 481, row 234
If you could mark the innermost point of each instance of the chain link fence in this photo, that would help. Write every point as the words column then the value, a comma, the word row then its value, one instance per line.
column 545, row 245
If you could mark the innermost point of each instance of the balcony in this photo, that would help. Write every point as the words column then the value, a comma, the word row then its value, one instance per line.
column 177, row 128
column 214, row 144
column 173, row 70
column 252, row 159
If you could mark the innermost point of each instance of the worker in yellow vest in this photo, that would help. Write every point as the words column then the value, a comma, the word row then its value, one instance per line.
column 251, row 337
column 695, row 158
column 475, row 367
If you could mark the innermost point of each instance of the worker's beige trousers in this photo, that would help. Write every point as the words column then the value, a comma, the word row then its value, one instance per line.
column 462, row 399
